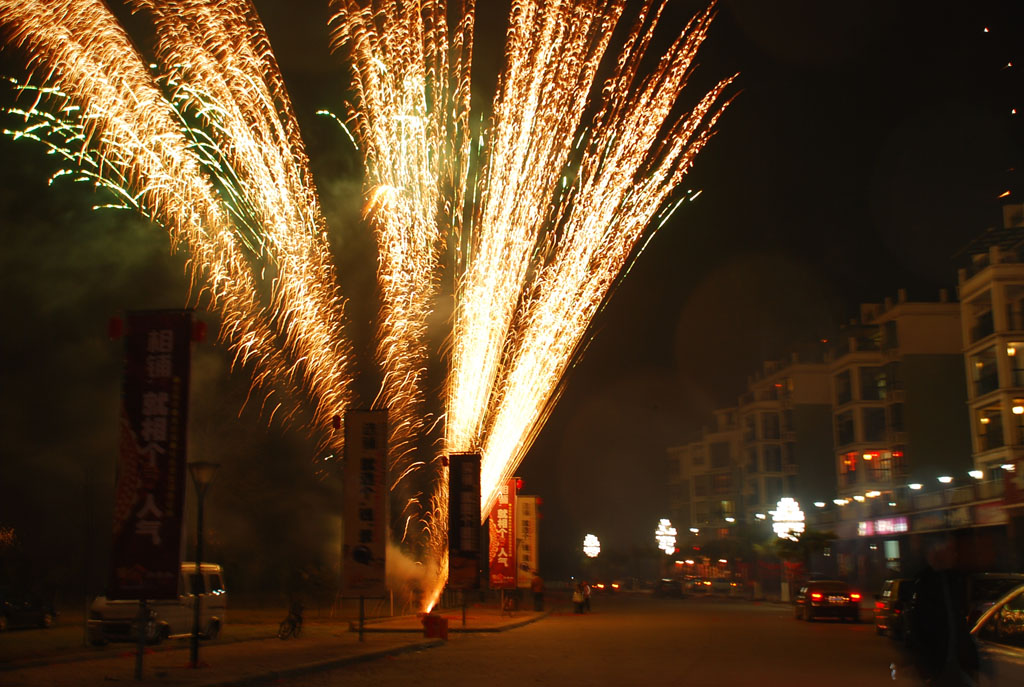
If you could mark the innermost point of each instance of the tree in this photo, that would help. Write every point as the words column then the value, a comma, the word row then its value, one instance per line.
column 808, row 543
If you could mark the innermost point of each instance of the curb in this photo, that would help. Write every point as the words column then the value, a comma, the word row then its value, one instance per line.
column 111, row 651
column 354, row 627
column 330, row 664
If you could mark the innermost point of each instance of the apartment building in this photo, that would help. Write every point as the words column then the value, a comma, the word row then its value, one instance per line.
column 991, row 292
column 785, row 417
column 705, row 476
column 898, row 399
column 776, row 442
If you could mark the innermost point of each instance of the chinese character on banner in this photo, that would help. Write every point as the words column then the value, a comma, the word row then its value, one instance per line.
column 464, row 521
column 365, row 489
column 502, row 562
column 150, row 491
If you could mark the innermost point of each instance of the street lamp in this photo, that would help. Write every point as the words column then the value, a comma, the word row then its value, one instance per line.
column 202, row 474
column 665, row 535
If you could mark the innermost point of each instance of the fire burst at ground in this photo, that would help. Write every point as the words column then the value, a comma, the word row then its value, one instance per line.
column 532, row 219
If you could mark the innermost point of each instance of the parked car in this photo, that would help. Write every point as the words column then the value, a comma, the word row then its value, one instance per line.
column 669, row 588
column 606, row 586
column 827, row 599
column 697, row 585
column 723, row 585
column 984, row 589
column 115, row 620
column 18, row 609
column 1000, row 636
column 891, row 606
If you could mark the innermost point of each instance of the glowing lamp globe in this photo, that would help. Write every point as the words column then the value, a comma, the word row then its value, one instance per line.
column 591, row 546
column 665, row 535
column 788, row 519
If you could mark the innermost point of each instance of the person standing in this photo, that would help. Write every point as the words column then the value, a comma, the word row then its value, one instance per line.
column 586, row 597
column 537, row 587
column 577, row 598
column 941, row 645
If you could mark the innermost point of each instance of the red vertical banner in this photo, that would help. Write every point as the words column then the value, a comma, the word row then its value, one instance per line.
column 1013, row 484
column 150, row 492
column 366, row 491
column 502, row 557
column 464, row 521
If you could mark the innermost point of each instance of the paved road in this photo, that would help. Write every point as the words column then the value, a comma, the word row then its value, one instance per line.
column 634, row 640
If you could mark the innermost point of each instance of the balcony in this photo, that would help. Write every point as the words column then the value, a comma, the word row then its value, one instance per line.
column 984, row 326
column 991, row 440
column 986, row 383
column 955, row 496
column 896, row 436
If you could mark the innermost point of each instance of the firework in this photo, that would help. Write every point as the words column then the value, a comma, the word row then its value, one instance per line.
column 410, row 121
column 532, row 242
column 136, row 141
column 633, row 157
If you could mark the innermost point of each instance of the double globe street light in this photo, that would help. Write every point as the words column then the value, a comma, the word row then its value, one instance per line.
column 202, row 473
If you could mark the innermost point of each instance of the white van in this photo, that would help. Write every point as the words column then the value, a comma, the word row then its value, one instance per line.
column 114, row 620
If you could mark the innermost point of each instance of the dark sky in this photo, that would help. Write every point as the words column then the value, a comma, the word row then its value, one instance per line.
column 867, row 143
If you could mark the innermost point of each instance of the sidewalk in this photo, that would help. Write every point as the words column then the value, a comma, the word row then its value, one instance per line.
column 322, row 646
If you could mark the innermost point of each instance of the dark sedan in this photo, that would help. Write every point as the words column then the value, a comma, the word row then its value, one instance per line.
column 827, row 599
column 23, row 610
column 891, row 606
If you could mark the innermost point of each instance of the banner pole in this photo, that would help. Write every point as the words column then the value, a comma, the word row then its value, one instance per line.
column 140, row 647
column 361, row 617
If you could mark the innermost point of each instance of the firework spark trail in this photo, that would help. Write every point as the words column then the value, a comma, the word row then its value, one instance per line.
column 129, row 128
column 628, row 171
column 553, row 52
column 411, row 121
column 228, row 76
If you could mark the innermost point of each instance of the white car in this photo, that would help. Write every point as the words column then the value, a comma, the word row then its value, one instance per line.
column 1000, row 635
column 116, row 620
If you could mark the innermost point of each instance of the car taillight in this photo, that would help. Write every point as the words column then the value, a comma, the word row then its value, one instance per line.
column 815, row 596
column 854, row 596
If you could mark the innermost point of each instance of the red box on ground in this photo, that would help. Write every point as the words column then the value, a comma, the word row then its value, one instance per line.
column 434, row 626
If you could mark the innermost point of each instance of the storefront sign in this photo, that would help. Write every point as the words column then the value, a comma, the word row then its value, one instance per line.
column 150, row 492
column 882, row 527
column 502, row 558
column 366, row 490
column 887, row 526
column 464, row 521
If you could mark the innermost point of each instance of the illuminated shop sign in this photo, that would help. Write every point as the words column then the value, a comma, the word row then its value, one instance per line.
column 882, row 527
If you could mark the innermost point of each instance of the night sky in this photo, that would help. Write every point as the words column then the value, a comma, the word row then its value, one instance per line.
column 867, row 143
